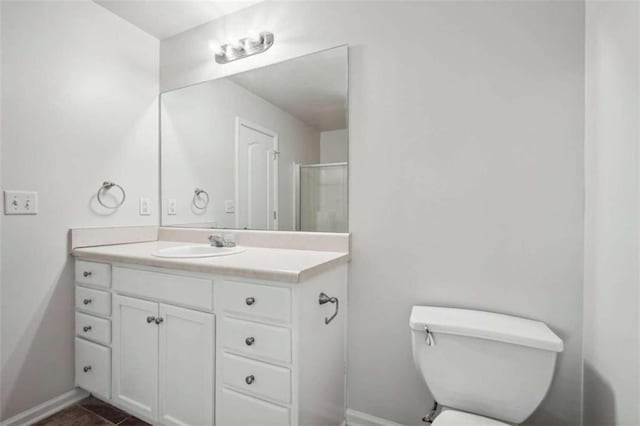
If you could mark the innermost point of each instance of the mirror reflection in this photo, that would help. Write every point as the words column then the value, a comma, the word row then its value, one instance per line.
column 266, row 149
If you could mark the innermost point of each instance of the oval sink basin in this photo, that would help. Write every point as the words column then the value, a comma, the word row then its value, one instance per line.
column 196, row 251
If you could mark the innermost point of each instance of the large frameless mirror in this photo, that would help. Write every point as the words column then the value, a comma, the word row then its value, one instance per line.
column 266, row 149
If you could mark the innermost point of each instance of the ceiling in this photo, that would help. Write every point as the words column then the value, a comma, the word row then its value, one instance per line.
column 312, row 88
column 165, row 18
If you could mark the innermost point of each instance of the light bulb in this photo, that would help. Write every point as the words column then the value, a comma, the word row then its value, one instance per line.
column 254, row 37
column 216, row 48
column 253, row 40
column 236, row 44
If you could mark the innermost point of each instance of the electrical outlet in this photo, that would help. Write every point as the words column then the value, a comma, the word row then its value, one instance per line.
column 171, row 206
column 20, row 202
column 229, row 206
column 145, row 207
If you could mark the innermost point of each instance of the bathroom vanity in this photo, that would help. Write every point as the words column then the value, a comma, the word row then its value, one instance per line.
column 253, row 338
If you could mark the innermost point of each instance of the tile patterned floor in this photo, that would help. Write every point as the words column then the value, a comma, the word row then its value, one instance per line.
column 91, row 412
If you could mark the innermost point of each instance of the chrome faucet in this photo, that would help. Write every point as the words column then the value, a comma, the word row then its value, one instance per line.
column 222, row 241
column 216, row 241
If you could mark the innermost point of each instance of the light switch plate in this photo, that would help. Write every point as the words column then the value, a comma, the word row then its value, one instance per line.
column 171, row 206
column 145, row 207
column 20, row 202
column 229, row 206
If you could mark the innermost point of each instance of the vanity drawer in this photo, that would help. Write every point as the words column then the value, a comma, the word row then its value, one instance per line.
column 259, row 301
column 242, row 410
column 93, row 301
column 175, row 289
column 92, row 273
column 257, row 377
column 93, row 368
column 255, row 339
column 93, row 328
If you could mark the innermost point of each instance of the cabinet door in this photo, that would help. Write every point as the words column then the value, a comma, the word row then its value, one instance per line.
column 186, row 366
column 135, row 356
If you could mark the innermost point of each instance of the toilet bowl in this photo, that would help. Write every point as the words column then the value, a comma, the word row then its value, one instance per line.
column 483, row 368
column 460, row 418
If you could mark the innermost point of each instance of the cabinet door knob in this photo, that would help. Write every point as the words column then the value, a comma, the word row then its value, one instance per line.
column 249, row 341
column 250, row 300
column 87, row 369
column 86, row 301
column 249, row 379
column 86, row 328
column 151, row 319
column 87, row 274
column 159, row 320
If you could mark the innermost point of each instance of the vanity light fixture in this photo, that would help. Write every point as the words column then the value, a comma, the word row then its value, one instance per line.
column 238, row 49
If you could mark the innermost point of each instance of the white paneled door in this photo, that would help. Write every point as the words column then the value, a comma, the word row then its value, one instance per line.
column 135, row 352
column 186, row 366
column 256, row 177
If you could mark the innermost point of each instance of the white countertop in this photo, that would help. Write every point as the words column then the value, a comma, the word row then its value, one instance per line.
column 272, row 264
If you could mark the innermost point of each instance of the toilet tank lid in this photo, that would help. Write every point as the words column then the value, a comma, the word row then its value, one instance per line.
column 485, row 325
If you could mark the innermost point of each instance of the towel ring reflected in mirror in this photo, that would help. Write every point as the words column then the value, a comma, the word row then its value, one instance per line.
column 199, row 201
column 106, row 186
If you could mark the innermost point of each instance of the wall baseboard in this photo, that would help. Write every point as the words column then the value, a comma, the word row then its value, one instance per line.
column 358, row 418
column 46, row 409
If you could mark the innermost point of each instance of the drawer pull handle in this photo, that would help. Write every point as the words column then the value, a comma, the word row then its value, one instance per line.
column 87, row 369
column 250, row 300
column 249, row 341
column 249, row 379
column 87, row 274
column 159, row 320
column 86, row 328
column 86, row 301
column 151, row 319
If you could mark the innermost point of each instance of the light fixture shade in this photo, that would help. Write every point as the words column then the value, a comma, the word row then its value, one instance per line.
column 247, row 46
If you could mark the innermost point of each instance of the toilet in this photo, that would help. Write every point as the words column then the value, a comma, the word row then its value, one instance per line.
column 482, row 368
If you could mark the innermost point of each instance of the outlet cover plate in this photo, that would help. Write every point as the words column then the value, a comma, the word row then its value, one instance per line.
column 171, row 207
column 145, row 207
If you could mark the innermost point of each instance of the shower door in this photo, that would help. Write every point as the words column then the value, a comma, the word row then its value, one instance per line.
column 323, row 197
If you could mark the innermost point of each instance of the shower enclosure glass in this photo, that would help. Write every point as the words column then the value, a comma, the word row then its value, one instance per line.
column 323, row 197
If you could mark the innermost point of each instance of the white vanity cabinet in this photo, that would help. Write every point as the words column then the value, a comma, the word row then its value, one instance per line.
column 93, row 327
column 184, row 348
column 162, row 361
column 135, row 360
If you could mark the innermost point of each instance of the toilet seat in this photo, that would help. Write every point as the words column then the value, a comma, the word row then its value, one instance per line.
column 460, row 418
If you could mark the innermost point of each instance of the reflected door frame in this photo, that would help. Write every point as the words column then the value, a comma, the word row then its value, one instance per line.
column 246, row 123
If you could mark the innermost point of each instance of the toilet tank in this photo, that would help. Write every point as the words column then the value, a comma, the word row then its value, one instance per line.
column 485, row 363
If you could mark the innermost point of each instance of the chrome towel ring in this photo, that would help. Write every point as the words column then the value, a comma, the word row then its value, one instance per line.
column 324, row 299
column 106, row 186
column 199, row 201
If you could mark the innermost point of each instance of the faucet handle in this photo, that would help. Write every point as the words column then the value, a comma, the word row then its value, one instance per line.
column 229, row 240
column 216, row 240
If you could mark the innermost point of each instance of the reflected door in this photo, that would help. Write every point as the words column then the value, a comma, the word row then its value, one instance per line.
column 256, row 177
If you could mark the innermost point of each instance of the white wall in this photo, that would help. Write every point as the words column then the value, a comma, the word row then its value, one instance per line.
column 611, row 287
column 79, row 106
column 1, row 218
column 334, row 146
column 198, row 149
column 466, row 169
